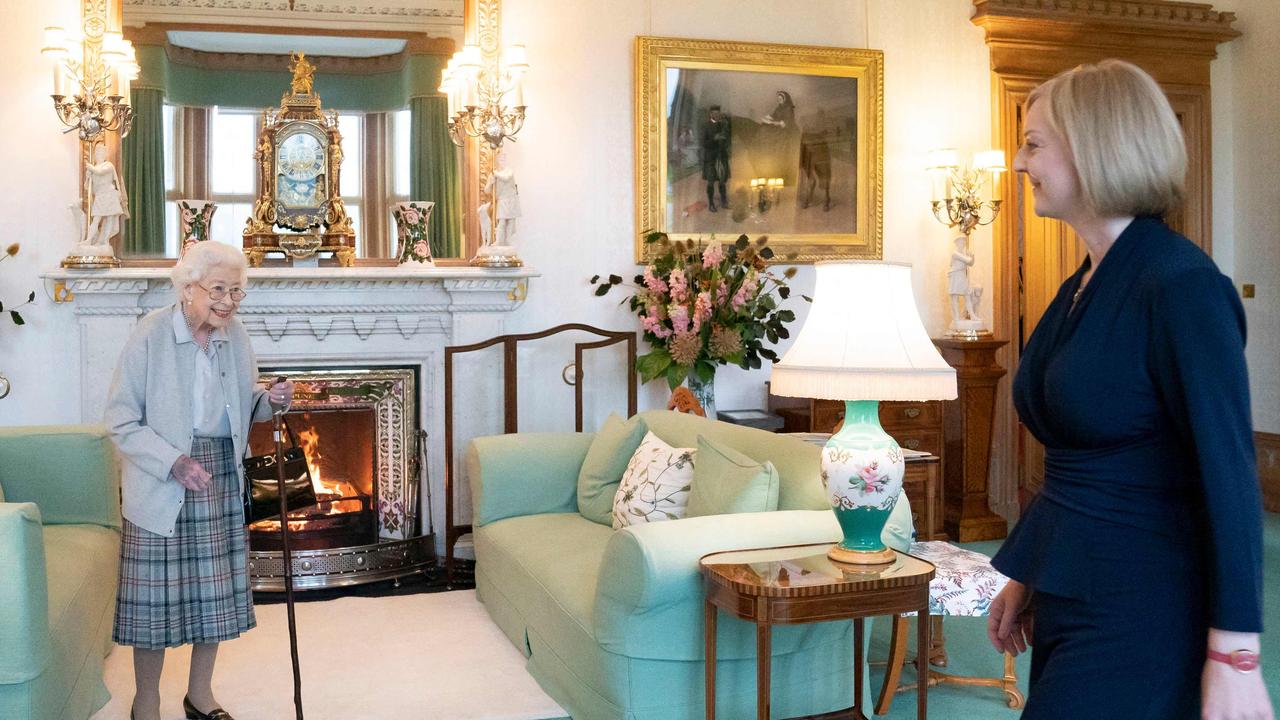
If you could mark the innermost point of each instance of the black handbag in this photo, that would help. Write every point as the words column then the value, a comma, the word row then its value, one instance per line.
column 262, row 491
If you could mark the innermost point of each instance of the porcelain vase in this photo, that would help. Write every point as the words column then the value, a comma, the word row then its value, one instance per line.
column 411, row 230
column 195, row 219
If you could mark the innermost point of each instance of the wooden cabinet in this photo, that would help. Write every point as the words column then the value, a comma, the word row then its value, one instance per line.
column 915, row 425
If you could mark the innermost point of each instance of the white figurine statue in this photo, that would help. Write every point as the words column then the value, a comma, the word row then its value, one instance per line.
column 108, row 201
column 503, row 184
column 498, row 218
column 964, row 298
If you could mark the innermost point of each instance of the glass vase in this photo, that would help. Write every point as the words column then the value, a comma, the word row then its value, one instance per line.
column 705, row 392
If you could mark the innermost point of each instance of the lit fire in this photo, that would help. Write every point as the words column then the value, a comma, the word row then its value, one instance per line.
column 335, row 496
column 309, row 439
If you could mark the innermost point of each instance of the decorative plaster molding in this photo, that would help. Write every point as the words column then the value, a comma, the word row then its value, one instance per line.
column 304, row 8
column 331, row 64
column 1120, row 13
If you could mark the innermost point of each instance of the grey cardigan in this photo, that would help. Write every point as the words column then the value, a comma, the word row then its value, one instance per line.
column 149, row 412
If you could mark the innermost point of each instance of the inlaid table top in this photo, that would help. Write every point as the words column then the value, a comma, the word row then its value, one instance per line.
column 805, row 571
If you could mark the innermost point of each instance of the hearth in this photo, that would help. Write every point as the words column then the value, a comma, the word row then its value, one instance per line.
column 359, row 428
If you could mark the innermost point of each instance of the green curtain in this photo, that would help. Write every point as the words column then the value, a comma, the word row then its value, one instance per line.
column 142, row 161
column 433, row 173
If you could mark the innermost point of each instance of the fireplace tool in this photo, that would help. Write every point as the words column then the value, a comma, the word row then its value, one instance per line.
column 288, row 559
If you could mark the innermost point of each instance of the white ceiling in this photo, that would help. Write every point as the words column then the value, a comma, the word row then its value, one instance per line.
column 271, row 44
column 438, row 18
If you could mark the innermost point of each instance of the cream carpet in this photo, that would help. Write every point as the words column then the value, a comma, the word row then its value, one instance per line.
column 426, row 656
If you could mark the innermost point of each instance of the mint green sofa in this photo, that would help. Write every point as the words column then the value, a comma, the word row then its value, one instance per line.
column 59, row 558
column 611, row 621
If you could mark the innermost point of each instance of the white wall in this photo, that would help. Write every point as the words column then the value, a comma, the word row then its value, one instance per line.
column 1246, row 176
column 574, row 161
column 37, row 183
column 574, row 156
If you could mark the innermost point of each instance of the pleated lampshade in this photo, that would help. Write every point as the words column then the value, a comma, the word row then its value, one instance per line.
column 863, row 340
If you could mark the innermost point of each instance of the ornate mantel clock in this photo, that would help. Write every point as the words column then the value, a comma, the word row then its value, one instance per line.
column 299, row 158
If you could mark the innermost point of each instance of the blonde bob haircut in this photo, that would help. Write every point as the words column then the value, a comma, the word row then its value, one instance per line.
column 202, row 259
column 1124, row 137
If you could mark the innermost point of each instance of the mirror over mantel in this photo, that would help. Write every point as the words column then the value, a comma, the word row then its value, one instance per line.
column 215, row 66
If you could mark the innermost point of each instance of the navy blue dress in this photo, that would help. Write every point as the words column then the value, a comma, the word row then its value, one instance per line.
column 1148, row 530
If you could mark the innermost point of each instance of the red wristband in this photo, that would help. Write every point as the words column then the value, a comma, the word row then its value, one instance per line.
column 1240, row 660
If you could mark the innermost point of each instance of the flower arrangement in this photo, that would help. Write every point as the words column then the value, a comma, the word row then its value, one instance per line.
column 14, row 315
column 703, row 305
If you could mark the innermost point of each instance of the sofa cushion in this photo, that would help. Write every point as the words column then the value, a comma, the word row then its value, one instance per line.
column 549, row 561
column 655, row 485
column 798, row 462
column 726, row 481
column 607, row 458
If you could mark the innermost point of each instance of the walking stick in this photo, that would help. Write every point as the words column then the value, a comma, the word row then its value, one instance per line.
column 276, row 419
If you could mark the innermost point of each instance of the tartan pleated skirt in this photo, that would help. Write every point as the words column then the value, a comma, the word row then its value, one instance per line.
column 192, row 587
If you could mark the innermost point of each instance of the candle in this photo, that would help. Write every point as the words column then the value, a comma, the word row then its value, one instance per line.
column 59, row 80
column 517, row 94
column 124, row 88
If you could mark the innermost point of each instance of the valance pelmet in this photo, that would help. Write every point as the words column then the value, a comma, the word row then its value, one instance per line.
column 381, row 84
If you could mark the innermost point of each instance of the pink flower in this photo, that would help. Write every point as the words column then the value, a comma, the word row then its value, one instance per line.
column 421, row 249
column 701, row 310
column 871, row 477
column 187, row 215
column 653, row 282
column 679, row 315
column 191, row 238
column 411, row 216
column 679, row 285
column 653, row 324
column 712, row 255
column 740, row 297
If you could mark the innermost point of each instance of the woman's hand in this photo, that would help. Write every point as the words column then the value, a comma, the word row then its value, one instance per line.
column 281, row 394
column 190, row 474
column 1227, row 694
column 1009, row 620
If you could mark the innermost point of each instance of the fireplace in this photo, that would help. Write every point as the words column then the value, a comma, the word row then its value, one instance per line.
column 359, row 429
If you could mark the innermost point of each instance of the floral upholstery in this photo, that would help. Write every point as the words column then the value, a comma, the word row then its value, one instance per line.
column 964, row 584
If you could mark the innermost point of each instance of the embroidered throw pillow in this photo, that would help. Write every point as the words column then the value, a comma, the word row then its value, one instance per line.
column 727, row 481
column 655, row 485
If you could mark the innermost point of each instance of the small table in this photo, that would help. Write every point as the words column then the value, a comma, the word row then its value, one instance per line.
column 798, row 584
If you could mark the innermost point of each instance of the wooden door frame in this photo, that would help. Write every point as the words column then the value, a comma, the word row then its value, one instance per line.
column 1029, row 41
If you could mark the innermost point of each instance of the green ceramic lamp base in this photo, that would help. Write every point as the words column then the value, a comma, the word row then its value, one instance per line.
column 863, row 468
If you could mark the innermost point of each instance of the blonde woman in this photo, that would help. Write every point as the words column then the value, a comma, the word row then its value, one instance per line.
column 179, row 411
column 1137, row 571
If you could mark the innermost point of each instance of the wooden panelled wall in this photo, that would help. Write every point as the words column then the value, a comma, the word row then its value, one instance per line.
column 1029, row 42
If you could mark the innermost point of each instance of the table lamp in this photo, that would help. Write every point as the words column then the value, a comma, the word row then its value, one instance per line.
column 863, row 342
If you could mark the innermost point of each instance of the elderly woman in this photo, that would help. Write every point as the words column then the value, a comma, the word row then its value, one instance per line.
column 1140, row 561
column 179, row 410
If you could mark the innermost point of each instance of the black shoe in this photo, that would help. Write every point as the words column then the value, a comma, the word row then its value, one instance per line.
column 712, row 207
column 193, row 714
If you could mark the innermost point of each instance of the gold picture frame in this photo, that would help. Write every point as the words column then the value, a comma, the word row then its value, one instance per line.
column 810, row 178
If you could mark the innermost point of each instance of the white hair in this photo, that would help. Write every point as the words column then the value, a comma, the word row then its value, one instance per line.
column 202, row 259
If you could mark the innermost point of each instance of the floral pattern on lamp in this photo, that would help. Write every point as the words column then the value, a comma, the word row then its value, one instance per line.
column 195, row 218
column 411, row 230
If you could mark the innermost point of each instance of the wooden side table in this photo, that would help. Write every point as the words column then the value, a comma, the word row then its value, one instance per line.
column 798, row 584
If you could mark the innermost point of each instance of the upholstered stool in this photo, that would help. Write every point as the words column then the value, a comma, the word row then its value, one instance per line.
column 964, row 586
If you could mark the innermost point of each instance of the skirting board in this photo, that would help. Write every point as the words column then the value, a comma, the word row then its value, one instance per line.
column 1268, row 445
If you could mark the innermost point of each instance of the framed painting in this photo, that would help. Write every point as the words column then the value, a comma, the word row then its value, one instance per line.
column 740, row 138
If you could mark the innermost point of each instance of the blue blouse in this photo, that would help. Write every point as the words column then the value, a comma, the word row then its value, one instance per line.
column 1140, row 395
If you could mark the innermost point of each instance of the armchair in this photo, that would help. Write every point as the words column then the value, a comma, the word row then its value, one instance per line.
column 59, row 550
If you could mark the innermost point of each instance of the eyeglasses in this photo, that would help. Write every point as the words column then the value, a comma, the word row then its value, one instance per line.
column 218, row 292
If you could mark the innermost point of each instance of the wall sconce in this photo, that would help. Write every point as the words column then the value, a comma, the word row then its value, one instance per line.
column 957, row 199
column 485, row 102
column 91, row 79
